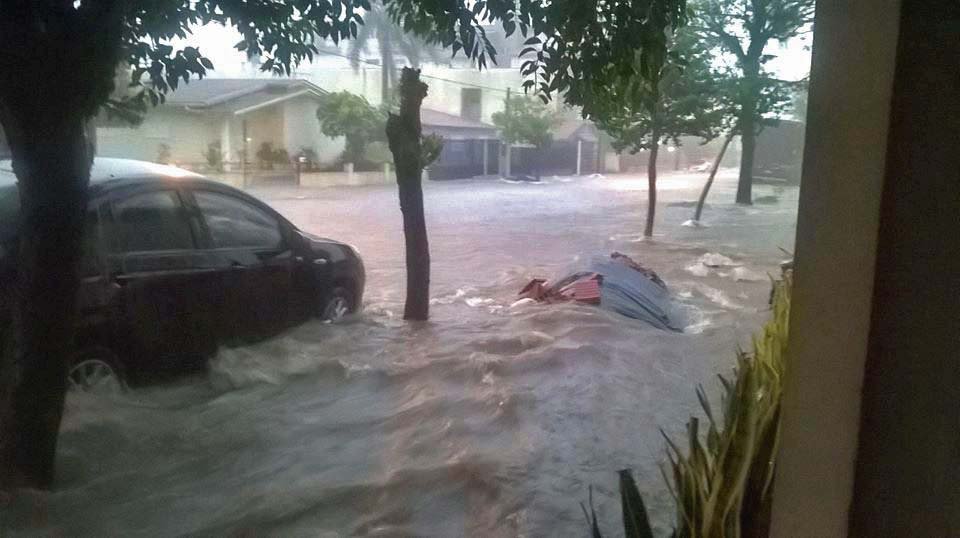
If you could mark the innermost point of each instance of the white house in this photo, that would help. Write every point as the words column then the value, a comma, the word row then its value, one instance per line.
column 240, row 114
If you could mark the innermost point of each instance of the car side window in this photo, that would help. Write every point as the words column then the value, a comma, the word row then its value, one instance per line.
column 235, row 223
column 150, row 221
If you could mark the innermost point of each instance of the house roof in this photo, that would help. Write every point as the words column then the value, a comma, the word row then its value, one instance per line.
column 570, row 129
column 435, row 118
column 239, row 94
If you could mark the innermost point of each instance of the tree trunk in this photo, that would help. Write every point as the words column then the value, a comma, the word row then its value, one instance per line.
column 52, row 159
column 713, row 174
column 403, row 135
column 652, row 185
column 748, row 134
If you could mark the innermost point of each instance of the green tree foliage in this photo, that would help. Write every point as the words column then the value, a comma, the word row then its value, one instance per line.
column 391, row 38
column 681, row 98
column 525, row 120
column 354, row 118
column 573, row 47
column 743, row 29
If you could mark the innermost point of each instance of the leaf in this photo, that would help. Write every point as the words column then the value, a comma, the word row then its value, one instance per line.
column 206, row 63
column 636, row 523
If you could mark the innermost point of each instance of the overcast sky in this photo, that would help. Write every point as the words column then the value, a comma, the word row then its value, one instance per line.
column 216, row 42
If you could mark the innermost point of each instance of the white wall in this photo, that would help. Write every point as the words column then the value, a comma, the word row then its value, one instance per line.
column 291, row 125
column 302, row 129
column 444, row 95
column 186, row 133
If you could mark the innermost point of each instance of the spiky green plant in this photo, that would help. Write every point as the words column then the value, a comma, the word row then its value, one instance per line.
column 722, row 482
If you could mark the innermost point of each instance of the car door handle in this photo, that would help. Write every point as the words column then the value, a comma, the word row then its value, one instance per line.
column 237, row 266
column 321, row 262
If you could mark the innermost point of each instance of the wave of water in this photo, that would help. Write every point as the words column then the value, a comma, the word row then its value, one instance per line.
column 492, row 419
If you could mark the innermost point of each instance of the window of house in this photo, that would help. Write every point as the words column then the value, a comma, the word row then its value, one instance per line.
column 150, row 221
column 234, row 223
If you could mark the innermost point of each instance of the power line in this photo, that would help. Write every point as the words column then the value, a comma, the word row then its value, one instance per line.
column 451, row 81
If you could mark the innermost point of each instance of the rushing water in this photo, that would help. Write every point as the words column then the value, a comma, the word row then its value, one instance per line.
column 490, row 420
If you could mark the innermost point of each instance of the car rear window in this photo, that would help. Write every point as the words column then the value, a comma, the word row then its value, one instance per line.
column 150, row 221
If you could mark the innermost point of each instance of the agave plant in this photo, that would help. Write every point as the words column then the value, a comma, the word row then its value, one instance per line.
column 722, row 483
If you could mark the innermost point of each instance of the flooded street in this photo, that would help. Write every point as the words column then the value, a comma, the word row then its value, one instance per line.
column 489, row 420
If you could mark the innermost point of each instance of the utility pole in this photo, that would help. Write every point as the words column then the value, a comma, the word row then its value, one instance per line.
column 506, row 168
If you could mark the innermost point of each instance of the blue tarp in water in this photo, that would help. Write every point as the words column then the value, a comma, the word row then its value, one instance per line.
column 629, row 292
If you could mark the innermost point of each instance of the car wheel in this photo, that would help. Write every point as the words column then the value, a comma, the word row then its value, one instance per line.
column 339, row 304
column 96, row 371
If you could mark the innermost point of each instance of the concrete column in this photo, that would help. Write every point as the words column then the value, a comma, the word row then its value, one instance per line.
column 486, row 157
column 506, row 167
column 348, row 168
column 226, row 142
column 870, row 442
column 579, row 155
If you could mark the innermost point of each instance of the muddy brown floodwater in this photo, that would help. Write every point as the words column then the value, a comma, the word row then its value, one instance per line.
column 489, row 420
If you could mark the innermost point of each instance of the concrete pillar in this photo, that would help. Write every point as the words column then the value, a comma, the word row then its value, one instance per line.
column 486, row 157
column 506, row 166
column 226, row 142
column 848, row 115
column 348, row 168
column 579, row 155
column 869, row 441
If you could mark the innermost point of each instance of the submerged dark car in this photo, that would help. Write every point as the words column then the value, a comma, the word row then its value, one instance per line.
column 175, row 265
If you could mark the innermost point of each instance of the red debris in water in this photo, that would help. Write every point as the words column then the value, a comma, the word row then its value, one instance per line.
column 580, row 287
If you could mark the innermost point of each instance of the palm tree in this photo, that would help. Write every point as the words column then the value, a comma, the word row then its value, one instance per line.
column 377, row 24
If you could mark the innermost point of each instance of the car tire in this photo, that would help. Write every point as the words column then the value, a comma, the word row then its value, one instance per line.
column 96, row 370
column 339, row 304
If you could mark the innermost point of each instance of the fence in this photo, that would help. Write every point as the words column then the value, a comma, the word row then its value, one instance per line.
column 234, row 175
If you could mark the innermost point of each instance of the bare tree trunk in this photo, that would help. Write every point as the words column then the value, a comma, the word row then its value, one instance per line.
column 52, row 159
column 713, row 174
column 404, row 137
column 748, row 133
column 652, row 185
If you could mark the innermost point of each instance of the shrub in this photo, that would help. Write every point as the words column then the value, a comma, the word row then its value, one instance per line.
column 163, row 154
column 214, row 156
column 721, row 483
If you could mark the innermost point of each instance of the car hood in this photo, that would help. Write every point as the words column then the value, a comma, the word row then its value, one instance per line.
column 319, row 239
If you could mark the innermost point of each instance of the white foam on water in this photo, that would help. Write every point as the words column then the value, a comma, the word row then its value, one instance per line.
column 698, row 269
column 742, row 274
column 713, row 259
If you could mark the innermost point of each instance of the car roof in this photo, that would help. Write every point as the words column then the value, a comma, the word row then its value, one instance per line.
column 108, row 175
column 107, row 169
